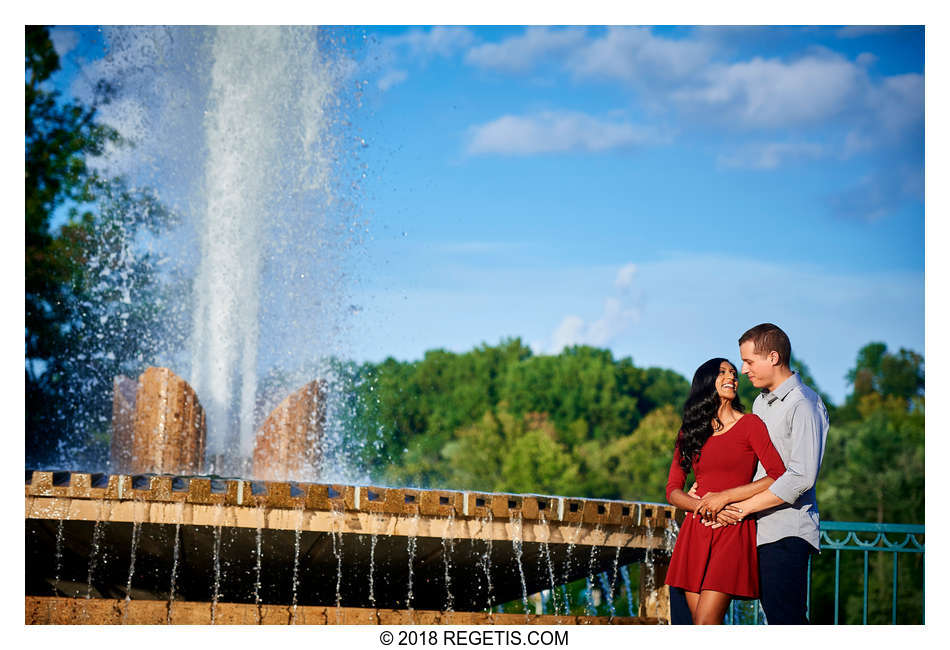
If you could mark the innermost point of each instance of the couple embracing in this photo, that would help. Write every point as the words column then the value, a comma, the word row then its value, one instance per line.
column 762, row 464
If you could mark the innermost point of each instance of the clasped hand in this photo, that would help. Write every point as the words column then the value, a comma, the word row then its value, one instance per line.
column 715, row 509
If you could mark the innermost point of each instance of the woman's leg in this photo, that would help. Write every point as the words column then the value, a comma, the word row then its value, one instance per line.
column 692, row 600
column 710, row 607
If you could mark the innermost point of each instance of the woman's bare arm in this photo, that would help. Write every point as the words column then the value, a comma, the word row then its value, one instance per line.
column 683, row 501
column 712, row 503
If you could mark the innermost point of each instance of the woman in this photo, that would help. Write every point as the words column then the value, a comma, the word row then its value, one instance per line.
column 721, row 446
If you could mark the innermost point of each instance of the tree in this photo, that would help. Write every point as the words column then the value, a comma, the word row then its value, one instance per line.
column 59, row 137
column 636, row 466
column 873, row 471
column 877, row 371
column 94, row 301
column 504, row 453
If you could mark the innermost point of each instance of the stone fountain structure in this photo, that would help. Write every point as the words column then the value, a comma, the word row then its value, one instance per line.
column 158, row 543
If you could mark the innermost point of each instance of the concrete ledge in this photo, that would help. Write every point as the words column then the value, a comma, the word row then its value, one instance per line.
column 192, row 514
column 478, row 548
column 290, row 495
column 41, row 610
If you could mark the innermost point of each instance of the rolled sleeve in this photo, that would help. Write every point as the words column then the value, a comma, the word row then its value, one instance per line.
column 801, row 466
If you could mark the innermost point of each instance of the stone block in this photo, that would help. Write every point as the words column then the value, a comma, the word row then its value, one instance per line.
column 169, row 425
column 288, row 442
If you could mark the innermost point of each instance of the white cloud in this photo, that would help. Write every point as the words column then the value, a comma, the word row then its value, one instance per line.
column 625, row 276
column 392, row 55
column 898, row 103
column 437, row 41
column 770, row 93
column 64, row 40
column 392, row 78
column 620, row 313
column 637, row 56
column 569, row 332
column 770, row 155
column 520, row 52
column 692, row 76
column 617, row 318
column 866, row 59
column 557, row 132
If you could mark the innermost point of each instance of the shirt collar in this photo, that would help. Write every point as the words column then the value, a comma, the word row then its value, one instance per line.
column 784, row 388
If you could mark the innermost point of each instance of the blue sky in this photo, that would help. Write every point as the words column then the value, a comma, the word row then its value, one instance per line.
column 655, row 191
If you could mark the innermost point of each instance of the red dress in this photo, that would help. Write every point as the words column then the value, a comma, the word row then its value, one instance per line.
column 722, row 559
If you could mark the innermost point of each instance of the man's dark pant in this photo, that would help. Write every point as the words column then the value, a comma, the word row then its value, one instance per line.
column 679, row 610
column 783, row 580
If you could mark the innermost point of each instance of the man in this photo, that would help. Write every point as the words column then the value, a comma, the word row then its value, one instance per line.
column 788, row 511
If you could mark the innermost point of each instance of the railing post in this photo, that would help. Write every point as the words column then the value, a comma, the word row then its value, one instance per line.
column 894, row 596
column 864, row 615
column 837, row 580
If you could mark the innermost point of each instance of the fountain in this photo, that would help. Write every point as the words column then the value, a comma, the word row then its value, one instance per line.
column 316, row 553
column 210, row 513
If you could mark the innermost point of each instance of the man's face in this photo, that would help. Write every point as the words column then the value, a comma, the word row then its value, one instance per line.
column 760, row 369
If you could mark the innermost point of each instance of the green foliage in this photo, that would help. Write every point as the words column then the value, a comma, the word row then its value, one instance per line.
column 879, row 372
column 873, row 468
column 81, row 331
column 503, row 453
column 636, row 466
column 500, row 418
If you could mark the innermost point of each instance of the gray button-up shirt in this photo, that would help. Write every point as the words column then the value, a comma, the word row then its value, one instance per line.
column 798, row 425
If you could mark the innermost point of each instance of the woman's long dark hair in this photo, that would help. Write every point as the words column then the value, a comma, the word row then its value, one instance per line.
column 699, row 411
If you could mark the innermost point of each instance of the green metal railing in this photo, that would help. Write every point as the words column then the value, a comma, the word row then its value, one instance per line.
column 841, row 536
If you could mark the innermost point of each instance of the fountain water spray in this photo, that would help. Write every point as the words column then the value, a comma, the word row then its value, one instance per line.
column 216, row 593
column 136, row 530
column 411, row 548
column 516, row 542
column 59, row 554
column 590, row 573
column 264, row 128
column 257, row 561
column 293, row 607
column 546, row 552
column 372, row 569
column 243, row 134
column 567, row 563
column 486, row 558
column 175, row 551
column 448, row 548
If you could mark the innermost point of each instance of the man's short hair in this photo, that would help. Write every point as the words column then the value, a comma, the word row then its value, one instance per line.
column 768, row 337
